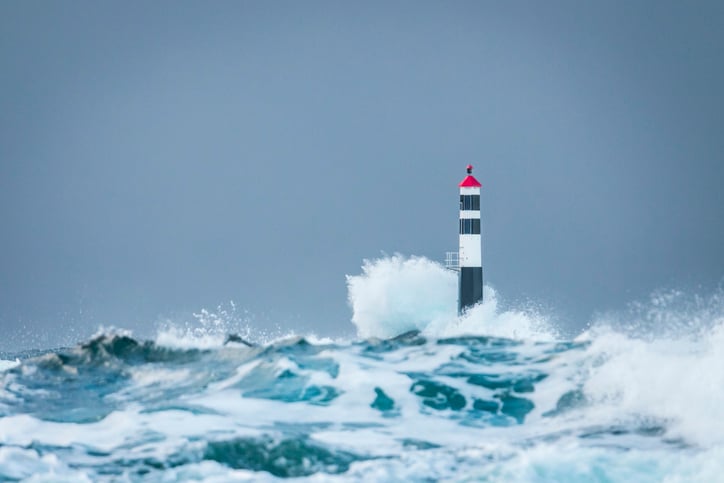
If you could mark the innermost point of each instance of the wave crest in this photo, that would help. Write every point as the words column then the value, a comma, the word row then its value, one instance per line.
column 396, row 294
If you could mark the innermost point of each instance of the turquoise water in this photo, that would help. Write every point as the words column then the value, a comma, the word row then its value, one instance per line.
column 496, row 395
column 416, row 409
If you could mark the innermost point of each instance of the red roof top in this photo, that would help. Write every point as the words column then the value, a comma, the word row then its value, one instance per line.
column 470, row 182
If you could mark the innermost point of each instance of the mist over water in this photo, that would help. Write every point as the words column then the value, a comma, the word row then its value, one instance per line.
column 495, row 395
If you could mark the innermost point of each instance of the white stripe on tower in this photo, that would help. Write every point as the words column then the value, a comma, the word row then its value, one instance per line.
column 470, row 281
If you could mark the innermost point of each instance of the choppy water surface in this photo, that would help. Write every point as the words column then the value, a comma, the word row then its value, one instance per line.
column 613, row 404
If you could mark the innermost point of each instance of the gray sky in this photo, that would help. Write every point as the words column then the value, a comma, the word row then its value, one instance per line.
column 160, row 157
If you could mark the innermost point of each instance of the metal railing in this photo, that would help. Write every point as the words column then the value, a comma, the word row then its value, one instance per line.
column 452, row 261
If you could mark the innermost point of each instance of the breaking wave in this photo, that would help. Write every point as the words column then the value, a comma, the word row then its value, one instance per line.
column 421, row 395
column 396, row 294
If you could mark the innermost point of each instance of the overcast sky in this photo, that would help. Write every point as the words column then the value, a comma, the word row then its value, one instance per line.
column 161, row 157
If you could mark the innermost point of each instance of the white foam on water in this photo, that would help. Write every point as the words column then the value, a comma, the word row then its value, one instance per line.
column 147, row 377
column 213, row 472
column 563, row 462
column 396, row 294
column 210, row 330
column 673, row 380
column 487, row 319
column 189, row 338
column 28, row 465
column 661, row 363
column 5, row 365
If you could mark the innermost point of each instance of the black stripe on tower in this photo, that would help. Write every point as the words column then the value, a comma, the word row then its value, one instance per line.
column 470, row 202
column 470, row 226
column 471, row 287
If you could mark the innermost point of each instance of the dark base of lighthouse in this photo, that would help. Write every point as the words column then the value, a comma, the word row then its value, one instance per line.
column 470, row 287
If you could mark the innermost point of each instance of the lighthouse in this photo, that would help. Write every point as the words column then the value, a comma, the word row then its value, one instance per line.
column 470, row 255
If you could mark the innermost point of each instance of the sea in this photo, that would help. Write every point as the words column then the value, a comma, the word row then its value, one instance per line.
column 499, row 394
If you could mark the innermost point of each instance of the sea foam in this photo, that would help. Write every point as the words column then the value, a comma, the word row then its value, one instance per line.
column 396, row 294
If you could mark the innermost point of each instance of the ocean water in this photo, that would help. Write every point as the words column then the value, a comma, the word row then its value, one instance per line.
column 497, row 395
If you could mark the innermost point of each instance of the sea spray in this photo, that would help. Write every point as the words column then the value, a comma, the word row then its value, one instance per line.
column 210, row 328
column 636, row 397
column 662, row 360
column 397, row 294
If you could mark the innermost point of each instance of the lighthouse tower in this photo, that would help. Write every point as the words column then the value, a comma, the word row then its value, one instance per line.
column 470, row 256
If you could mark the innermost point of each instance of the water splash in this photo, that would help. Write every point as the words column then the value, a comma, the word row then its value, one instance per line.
column 609, row 405
column 662, row 360
column 396, row 294
column 212, row 328
column 493, row 395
